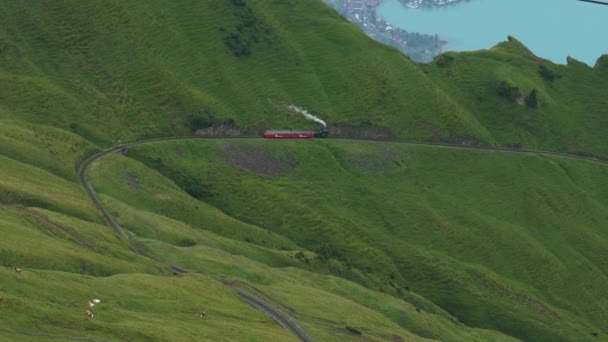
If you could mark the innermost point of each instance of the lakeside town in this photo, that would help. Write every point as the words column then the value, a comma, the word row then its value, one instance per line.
column 420, row 47
column 429, row 3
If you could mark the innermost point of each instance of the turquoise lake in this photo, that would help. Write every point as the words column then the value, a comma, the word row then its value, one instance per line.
column 552, row 29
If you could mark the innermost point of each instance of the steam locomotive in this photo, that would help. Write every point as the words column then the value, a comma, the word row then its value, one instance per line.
column 289, row 134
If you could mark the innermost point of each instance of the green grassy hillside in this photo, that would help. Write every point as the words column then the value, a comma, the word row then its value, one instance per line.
column 569, row 111
column 498, row 240
column 134, row 307
column 69, row 256
column 119, row 71
column 355, row 241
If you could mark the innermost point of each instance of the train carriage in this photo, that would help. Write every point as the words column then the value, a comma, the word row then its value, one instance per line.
column 293, row 134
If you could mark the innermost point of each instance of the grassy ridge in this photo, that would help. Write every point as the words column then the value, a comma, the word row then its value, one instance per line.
column 155, row 69
column 496, row 239
column 570, row 110
column 117, row 71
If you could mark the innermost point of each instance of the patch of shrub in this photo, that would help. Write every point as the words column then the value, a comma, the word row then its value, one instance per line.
column 508, row 91
column 444, row 60
column 249, row 29
column 193, row 187
column 326, row 251
column 531, row 100
column 200, row 120
column 302, row 257
column 238, row 45
column 547, row 73
column 366, row 123
column 354, row 330
column 186, row 243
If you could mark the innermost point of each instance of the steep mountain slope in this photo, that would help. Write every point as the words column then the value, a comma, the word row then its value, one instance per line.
column 68, row 256
column 502, row 241
column 156, row 68
column 568, row 110
column 119, row 71
column 353, row 240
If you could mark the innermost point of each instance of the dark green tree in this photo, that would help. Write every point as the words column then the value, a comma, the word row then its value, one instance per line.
column 531, row 99
column 508, row 90
column 546, row 73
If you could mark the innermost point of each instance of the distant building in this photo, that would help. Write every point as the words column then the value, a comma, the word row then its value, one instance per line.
column 356, row 6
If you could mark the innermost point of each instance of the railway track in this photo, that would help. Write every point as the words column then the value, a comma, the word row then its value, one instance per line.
column 273, row 312
column 278, row 316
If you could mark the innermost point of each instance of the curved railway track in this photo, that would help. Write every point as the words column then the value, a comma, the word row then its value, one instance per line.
column 278, row 316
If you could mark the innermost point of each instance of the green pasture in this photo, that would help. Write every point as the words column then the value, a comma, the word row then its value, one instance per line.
column 133, row 307
column 497, row 239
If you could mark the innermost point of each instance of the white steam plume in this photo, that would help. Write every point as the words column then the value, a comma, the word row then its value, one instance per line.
column 298, row 110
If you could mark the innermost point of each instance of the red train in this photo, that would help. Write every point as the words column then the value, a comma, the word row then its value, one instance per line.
column 289, row 134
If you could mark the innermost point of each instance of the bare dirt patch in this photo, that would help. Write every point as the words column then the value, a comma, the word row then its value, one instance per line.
column 377, row 163
column 258, row 160
column 392, row 338
column 355, row 132
column 222, row 130
column 465, row 141
column 132, row 181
